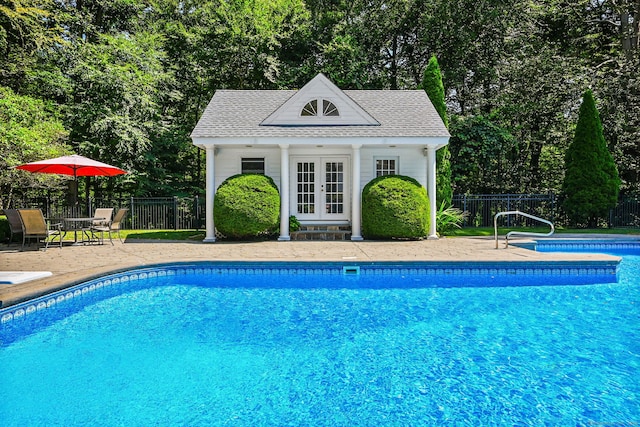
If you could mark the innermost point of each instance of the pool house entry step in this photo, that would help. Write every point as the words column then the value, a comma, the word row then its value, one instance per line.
column 322, row 232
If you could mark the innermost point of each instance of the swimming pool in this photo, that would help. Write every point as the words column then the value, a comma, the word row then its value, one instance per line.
column 334, row 345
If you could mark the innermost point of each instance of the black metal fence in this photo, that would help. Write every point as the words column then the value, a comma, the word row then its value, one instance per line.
column 626, row 213
column 481, row 208
column 186, row 213
column 145, row 213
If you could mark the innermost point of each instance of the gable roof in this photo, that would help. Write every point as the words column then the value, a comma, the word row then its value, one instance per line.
column 242, row 114
column 320, row 88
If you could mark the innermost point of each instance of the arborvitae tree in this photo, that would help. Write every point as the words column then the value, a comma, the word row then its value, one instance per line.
column 432, row 84
column 591, row 182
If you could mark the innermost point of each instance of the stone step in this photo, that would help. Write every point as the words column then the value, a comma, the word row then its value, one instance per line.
column 322, row 232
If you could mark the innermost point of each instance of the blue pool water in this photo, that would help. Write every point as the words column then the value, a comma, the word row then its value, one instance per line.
column 207, row 347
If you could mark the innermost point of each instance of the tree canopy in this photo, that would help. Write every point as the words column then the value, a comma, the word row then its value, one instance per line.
column 126, row 80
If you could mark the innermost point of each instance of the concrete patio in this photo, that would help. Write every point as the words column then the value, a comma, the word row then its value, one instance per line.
column 73, row 264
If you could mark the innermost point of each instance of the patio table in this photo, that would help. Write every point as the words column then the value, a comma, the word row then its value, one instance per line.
column 80, row 224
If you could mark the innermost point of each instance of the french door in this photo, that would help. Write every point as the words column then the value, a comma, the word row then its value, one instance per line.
column 320, row 190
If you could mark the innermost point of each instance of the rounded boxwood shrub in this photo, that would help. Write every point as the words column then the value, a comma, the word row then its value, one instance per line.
column 247, row 206
column 395, row 206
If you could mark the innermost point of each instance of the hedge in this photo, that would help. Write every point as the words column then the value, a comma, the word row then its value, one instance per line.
column 395, row 206
column 247, row 206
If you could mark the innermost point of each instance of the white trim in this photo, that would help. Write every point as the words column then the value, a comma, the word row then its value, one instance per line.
column 209, row 194
column 384, row 157
column 249, row 155
column 356, row 196
column 345, row 141
column 320, row 87
column 431, row 192
column 284, row 193
column 320, row 161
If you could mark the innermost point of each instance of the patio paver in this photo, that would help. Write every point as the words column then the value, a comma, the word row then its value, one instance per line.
column 73, row 264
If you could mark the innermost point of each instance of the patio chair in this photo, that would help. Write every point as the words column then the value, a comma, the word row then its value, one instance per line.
column 102, row 216
column 34, row 226
column 15, row 223
column 112, row 226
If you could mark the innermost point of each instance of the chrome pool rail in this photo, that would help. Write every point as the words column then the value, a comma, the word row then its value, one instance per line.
column 520, row 233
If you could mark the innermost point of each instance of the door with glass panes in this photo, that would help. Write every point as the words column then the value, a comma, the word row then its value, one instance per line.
column 320, row 188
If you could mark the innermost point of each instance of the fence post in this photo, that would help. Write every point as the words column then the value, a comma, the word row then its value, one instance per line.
column 132, row 215
column 464, row 206
column 175, row 212
column 196, row 207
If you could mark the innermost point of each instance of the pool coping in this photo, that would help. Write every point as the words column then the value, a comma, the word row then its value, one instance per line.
column 605, row 271
column 106, row 259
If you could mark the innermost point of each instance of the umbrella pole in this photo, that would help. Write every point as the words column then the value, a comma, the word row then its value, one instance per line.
column 72, row 192
column 86, row 195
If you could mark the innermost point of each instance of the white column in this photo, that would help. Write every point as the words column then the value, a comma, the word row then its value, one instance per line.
column 356, row 195
column 431, row 190
column 284, row 193
column 210, row 192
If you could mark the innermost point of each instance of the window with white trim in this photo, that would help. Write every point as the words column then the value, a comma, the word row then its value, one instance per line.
column 253, row 165
column 311, row 109
column 386, row 166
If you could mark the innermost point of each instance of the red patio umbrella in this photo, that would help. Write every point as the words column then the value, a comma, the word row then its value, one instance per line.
column 73, row 165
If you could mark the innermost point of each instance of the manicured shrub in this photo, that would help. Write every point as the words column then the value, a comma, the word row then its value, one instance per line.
column 395, row 206
column 247, row 206
column 591, row 182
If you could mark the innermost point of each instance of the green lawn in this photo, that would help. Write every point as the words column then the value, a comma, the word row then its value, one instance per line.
column 163, row 234
column 197, row 235
column 489, row 231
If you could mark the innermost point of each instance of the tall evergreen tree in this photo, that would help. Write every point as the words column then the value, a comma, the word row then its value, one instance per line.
column 432, row 84
column 591, row 183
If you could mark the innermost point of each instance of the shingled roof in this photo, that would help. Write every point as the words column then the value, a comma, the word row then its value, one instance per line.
column 241, row 113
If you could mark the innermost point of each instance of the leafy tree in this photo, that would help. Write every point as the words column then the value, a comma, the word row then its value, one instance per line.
column 470, row 39
column 341, row 60
column 591, row 183
column 247, row 36
column 115, row 113
column 26, row 29
column 29, row 131
column 483, row 155
column 432, row 84
column 132, row 77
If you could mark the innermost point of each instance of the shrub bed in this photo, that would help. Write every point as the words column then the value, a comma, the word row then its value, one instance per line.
column 247, row 206
column 395, row 206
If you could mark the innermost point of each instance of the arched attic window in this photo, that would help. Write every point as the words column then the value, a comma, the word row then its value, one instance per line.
column 311, row 108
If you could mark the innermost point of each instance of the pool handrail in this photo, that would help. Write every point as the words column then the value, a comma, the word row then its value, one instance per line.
column 520, row 233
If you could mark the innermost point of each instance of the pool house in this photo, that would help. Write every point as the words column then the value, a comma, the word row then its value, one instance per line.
column 321, row 145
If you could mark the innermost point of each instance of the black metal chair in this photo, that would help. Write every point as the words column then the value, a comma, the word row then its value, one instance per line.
column 15, row 223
